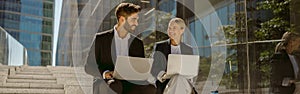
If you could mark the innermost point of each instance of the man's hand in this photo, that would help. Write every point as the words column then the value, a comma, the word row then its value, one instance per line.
column 288, row 81
column 165, row 76
column 109, row 75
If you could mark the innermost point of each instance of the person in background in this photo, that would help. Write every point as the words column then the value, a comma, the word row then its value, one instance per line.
column 285, row 64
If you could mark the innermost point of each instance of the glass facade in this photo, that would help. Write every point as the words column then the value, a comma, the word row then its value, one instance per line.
column 10, row 48
column 208, row 26
column 213, row 25
column 65, row 35
column 31, row 23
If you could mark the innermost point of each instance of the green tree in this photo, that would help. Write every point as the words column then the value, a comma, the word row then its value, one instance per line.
column 273, row 21
column 279, row 23
column 272, row 28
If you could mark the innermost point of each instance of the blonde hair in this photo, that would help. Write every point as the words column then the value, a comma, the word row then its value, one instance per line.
column 178, row 21
column 286, row 38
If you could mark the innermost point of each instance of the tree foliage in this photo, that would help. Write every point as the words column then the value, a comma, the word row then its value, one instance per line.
column 271, row 24
column 279, row 23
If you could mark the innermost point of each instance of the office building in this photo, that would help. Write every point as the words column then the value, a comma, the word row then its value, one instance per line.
column 31, row 23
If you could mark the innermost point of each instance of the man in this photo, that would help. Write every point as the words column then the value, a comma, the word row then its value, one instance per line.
column 285, row 66
column 171, row 46
column 119, row 42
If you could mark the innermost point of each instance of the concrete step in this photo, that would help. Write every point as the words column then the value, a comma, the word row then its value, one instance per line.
column 35, row 67
column 59, row 67
column 31, row 85
column 63, row 72
column 5, row 67
column 31, row 91
column 34, row 73
column 30, row 70
column 35, row 70
column 64, row 75
column 30, row 81
column 36, row 77
column 3, row 73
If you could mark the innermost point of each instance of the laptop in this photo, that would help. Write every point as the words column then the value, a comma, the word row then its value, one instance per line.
column 132, row 68
column 186, row 65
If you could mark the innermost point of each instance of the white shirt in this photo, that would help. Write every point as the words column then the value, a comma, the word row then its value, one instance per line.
column 175, row 49
column 295, row 65
column 121, row 44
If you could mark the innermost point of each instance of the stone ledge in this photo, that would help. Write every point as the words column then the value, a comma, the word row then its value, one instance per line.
column 30, row 81
column 3, row 73
column 26, row 70
column 12, row 71
column 37, row 77
column 5, row 66
column 31, row 91
column 65, row 75
column 3, row 70
column 31, row 85
column 34, row 73
column 62, row 72
column 73, row 90
column 35, row 67
column 3, row 79
column 52, row 86
column 74, row 81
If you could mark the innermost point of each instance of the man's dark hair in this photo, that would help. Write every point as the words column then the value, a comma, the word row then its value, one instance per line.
column 126, row 9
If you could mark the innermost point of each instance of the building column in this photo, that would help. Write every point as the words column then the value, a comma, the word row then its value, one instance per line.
column 295, row 14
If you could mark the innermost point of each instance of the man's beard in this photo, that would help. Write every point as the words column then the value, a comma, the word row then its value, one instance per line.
column 128, row 28
column 296, row 52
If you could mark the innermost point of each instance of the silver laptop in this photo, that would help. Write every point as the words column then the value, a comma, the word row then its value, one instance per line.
column 186, row 65
column 132, row 68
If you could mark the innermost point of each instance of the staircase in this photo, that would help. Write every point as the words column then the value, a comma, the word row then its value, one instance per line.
column 41, row 80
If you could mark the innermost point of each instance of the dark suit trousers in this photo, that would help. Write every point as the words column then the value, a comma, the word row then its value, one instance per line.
column 125, row 87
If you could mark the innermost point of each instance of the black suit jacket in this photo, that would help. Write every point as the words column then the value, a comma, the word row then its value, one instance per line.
column 282, row 67
column 161, row 51
column 102, row 56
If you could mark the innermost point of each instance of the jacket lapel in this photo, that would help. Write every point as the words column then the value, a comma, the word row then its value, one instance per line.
column 130, row 43
column 168, row 48
column 184, row 49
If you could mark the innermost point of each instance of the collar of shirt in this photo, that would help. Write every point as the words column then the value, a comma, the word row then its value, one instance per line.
column 117, row 35
column 121, row 44
column 175, row 49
